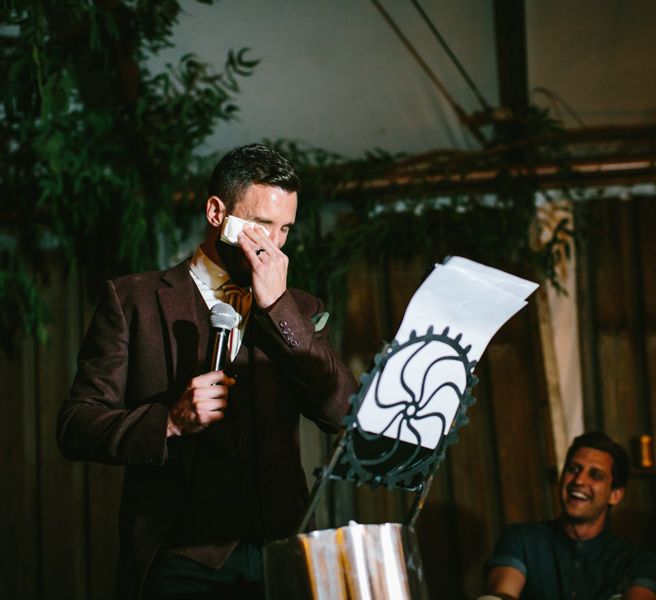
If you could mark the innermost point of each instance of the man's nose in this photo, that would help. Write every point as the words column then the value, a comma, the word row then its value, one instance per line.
column 276, row 237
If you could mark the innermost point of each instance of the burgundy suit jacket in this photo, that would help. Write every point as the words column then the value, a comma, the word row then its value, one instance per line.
column 148, row 337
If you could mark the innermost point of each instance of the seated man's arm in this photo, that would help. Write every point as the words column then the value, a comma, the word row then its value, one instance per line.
column 506, row 582
column 636, row 592
column 641, row 576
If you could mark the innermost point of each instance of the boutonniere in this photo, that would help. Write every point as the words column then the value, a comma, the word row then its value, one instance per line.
column 320, row 320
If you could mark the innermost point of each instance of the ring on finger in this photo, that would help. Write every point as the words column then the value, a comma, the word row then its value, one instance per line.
column 260, row 251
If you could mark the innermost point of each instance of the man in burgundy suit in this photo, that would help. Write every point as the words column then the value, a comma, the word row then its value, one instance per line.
column 212, row 460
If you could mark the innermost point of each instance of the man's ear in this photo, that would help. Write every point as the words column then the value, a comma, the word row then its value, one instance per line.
column 215, row 211
column 616, row 495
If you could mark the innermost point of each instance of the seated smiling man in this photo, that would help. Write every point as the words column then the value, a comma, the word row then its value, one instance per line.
column 575, row 556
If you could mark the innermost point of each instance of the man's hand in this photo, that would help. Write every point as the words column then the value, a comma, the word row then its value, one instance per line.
column 268, row 265
column 638, row 593
column 201, row 404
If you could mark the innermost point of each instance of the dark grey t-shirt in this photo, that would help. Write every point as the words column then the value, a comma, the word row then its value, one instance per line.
column 559, row 568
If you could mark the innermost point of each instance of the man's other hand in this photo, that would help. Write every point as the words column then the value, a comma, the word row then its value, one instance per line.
column 638, row 593
column 202, row 403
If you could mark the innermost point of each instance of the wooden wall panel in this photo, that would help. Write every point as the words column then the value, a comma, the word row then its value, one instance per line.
column 612, row 283
column 20, row 556
column 102, row 490
column 58, row 521
column 499, row 472
column 365, row 311
column 474, row 476
column 437, row 531
column 104, row 483
column 460, row 521
column 521, row 420
column 646, row 226
column 102, row 494
column 615, row 357
column 63, row 542
column 650, row 343
column 619, row 309
column 404, row 277
column 618, row 305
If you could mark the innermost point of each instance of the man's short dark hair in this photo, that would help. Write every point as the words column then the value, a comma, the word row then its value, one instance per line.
column 598, row 440
column 246, row 165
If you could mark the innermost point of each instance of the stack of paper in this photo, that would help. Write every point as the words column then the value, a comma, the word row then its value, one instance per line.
column 416, row 395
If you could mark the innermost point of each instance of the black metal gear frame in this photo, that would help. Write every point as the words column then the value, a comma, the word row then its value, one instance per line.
column 376, row 459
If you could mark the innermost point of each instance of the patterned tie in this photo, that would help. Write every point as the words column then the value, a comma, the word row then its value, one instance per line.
column 237, row 297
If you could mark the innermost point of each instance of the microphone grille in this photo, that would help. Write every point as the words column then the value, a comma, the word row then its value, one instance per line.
column 223, row 316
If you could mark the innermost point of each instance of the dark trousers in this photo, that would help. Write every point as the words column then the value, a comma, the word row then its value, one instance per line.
column 175, row 577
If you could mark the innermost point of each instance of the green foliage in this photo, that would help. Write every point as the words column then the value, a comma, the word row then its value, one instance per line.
column 425, row 218
column 100, row 159
column 96, row 148
column 21, row 303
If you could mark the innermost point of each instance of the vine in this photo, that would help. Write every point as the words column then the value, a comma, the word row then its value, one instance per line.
column 95, row 147
column 99, row 160
column 501, row 228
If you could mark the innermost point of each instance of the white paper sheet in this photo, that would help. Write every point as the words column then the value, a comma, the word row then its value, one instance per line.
column 416, row 396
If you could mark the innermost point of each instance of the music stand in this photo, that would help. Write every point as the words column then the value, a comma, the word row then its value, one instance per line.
column 381, row 459
column 405, row 415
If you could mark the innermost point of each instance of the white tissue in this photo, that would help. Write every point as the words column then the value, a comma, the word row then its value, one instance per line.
column 232, row 227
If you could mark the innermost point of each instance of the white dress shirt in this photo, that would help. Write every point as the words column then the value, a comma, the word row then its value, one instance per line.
column 209, row 277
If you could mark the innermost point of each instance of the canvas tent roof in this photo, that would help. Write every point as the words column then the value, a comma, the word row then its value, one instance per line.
column 335, row 75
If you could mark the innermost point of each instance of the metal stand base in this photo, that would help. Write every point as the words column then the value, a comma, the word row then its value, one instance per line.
column 357, row 562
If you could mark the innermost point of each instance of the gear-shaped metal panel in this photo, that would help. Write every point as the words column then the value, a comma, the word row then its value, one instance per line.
column 406, row 451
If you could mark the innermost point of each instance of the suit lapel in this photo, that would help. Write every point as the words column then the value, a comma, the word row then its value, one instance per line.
column 186, row 328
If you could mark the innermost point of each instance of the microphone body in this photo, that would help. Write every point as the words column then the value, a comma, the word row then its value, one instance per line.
column 220, row 348
column 223, row 319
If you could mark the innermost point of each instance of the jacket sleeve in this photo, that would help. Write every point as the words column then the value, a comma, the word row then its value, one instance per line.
column 324, row 384
column 94, row 424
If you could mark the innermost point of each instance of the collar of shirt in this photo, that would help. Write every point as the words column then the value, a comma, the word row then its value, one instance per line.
column 207, row 271
column 209, row 277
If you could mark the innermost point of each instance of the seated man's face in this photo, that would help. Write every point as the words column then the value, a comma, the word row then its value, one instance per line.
column 586, row 486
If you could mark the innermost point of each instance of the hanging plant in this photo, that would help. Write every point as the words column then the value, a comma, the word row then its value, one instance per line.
column 376, row 217
column 99, row 159
column 95, row 147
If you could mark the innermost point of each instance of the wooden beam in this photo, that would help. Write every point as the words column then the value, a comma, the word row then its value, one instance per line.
column 581, row 174
column 512, row 69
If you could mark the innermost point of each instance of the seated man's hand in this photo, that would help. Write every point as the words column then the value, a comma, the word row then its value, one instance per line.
column 505, row 583
column 201, row 404
column 638, row 593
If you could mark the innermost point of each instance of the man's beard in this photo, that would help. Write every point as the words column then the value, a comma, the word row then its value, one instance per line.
column 235, row 263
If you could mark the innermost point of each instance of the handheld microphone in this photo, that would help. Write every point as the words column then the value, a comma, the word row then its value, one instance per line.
column 223, row 318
